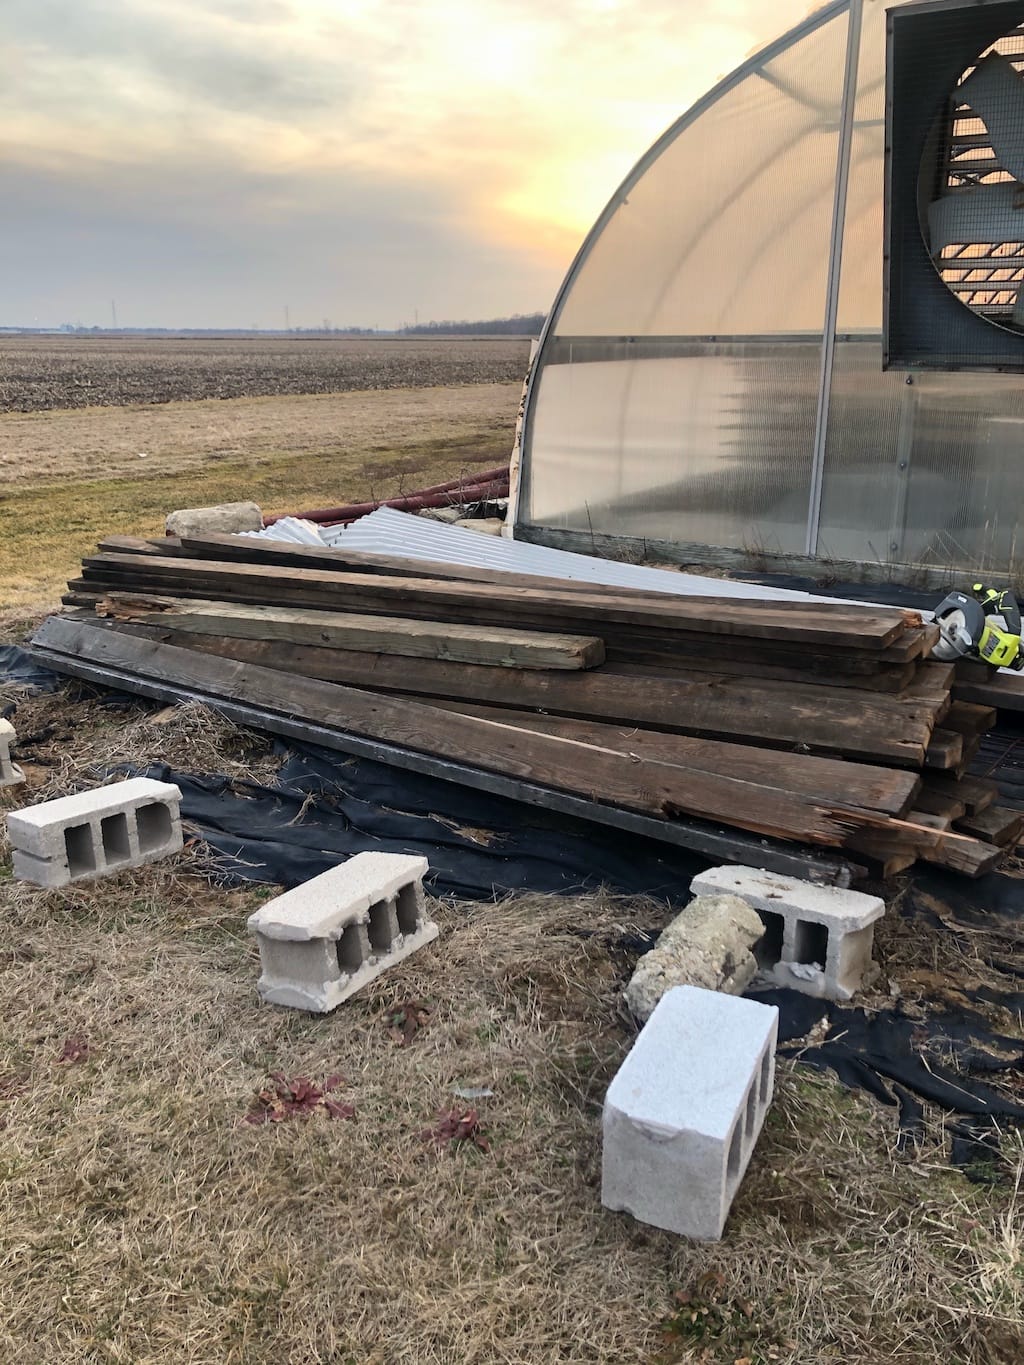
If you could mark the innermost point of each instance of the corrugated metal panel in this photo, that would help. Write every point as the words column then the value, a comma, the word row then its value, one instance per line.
column 401, row 533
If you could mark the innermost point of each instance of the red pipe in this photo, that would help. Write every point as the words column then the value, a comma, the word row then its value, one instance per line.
column 493, row 483
column 416, row 502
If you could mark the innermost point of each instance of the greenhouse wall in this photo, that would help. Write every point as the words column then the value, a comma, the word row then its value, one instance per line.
column 709, row 383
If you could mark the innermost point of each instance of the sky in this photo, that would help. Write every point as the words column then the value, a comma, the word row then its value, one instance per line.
column 231, row 163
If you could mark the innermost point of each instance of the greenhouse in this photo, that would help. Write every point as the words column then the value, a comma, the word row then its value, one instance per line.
column 745, row 366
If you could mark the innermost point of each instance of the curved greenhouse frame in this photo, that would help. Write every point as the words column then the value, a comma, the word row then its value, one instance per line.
column 709, row 383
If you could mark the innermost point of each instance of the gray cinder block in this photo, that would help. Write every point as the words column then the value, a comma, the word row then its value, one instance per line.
column 10, row 774
column 817, row 939
column 684, row 1111
column 324, row 940
column 93, row 833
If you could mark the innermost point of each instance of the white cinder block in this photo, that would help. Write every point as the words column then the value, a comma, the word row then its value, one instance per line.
column 324, row 940
column 10, row 774
column 93, row 833
column 685, row 1109
column 818, row 939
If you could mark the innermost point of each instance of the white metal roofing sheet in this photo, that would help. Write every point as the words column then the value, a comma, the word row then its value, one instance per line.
column 387, row 531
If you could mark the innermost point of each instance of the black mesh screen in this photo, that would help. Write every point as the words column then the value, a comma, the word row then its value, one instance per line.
column 954, row 241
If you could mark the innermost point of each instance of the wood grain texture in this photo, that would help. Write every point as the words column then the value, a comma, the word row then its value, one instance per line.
column 864, row 725
column 716, row 784
column 366, row 634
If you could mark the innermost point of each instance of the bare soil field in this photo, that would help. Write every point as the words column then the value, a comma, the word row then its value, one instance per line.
column 69, row 476
column 40, row 373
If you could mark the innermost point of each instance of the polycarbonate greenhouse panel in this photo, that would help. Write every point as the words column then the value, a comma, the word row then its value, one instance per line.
column 860, row 281
column 712, row 447
column 722, row 232
column 681, row 392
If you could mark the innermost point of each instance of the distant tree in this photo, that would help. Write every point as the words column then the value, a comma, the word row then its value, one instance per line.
column 518, row 325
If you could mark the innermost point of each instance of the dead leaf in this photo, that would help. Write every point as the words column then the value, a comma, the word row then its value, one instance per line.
column 297, row 1098
column 456, row 1126
column 76, row 1049
column 406, row 1020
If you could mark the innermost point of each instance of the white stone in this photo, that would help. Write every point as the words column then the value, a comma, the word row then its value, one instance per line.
column 323, row 941
column 684, row 1111
column 707, row 945
column 226, row 518
column 486, row 526
column 97, row 832
column 10, row 774
column 818, row 939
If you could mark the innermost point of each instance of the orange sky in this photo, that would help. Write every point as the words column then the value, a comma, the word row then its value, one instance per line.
column 211, row 162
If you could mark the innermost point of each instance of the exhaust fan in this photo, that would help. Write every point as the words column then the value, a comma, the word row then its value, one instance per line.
column 954, row 263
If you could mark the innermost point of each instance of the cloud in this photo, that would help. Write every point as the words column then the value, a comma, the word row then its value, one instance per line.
column 471, row 136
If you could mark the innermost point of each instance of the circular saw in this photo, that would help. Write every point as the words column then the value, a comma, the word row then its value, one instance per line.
column 986, row 626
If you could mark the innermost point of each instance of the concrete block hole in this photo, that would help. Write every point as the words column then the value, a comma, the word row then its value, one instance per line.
column 751, row 1111
column 154, row 825
column 810, row 943
column 350, row 950
column 733, row 1164
column 79, row 849
column 114, row 838
column 380, row 931
column 768, row 950
column 408, row 909
column 766, row 1064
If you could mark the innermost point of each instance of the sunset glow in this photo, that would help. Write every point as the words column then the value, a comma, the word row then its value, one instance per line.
column 354, row 158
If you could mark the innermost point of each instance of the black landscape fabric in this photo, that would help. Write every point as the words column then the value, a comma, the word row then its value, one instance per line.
column 326, row 807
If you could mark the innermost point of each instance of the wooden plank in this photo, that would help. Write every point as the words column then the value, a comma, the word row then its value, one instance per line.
column 715, row 785
column 858, row 724
column 758, row 764
column 863, row 631
column 977, row 793
column 1004, row 691
column 932, row 802
column 693, row 657
column 366, row 634
column 997, row 825
column 946, row 750
column 972, row 857
column 966, row 718
column 246, row 549
column 138, row 545
column 718, row 843
column 623, row 642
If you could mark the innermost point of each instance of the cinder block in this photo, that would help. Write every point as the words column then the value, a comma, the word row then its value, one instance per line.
column 10, row 774
column 817, row 939
column 324, row 940
column 684, row 1111
column 94, row 833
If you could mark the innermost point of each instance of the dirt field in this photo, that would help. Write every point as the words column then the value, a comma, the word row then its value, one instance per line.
column 42, row 373
column 70, row 476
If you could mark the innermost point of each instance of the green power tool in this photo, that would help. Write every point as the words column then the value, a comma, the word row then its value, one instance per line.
column 986, row 626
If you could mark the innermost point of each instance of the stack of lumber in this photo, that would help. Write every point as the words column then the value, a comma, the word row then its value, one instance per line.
column 814, row 738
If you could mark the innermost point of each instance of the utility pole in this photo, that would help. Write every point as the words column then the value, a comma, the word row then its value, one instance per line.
column 287, row 319
column 113, row 313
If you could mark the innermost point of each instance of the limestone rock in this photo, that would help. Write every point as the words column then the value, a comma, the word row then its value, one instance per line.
column 707, row 945
column 226, row 518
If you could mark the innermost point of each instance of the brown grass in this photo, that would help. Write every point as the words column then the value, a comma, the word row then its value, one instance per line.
column 143, row 1221
column 73, row 477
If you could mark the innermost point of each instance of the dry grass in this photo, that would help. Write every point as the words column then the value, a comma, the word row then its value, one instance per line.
column 143, row 1221
column 73, row 477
